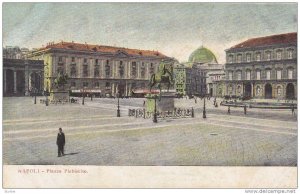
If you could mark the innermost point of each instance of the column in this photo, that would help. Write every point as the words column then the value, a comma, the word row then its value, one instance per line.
column 112, row 89
column 102, row 73
column 252, row 90
column 92, row 67
column 15, row 81
column 26, row 80
column 129, row 69
column 4, row 81
column 126, row 89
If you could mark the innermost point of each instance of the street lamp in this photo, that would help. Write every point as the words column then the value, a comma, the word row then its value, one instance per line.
column 154, row 115
column 46, row 94
column 118, row 110
column 34, row 96
column 204, row 111
column 83, row 95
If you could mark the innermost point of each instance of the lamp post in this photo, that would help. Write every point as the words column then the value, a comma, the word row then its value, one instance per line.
column 154, row 115
column 83, row 95
column 34, row 96
column 118, row 110
column 46, row 94
column 204, row 111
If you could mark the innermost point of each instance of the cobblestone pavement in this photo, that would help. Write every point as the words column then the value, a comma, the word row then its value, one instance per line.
column 95, row 136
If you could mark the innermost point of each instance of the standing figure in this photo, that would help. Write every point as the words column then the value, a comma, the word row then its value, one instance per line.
column 60, row 142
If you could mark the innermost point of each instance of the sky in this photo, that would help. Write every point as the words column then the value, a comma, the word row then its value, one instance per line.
column 175, row 29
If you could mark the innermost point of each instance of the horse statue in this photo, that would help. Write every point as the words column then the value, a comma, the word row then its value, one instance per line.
column 163, row 76
column 61, row 80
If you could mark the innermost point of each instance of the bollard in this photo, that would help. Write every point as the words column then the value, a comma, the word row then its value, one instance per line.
column 245, row 109
column 34, row 99
column 228, row 112
column 144, row 113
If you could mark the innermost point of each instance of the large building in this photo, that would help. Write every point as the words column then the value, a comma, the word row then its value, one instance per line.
column 264, row 67
column 104, row 68
column 22, row 77
column 14, row 52
column 205, row 70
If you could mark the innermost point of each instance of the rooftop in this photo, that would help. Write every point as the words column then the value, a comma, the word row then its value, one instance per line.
column 268, row 40
column 100, row 48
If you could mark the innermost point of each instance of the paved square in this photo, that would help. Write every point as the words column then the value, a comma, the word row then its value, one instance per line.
column 95, row 136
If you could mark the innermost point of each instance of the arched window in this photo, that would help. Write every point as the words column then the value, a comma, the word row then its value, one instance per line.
column 290, row 73
column 248, row 57
column 248, row 75
column 239, row 75
column 278, row 73
column 290, row 53
column 258, row 74
column 230, row 75
column 268, row 74
column 279, row 55
column 230, row 58
column 239, row 58
column 258, row 56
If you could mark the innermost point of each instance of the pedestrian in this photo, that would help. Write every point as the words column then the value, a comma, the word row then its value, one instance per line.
column 293, row 110
column 60, row 142
column 144, row 103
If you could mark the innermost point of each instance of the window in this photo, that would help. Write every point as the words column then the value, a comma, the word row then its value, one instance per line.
column 258, row 56
column 121, row 69
column 248, row 57
column 239, row 58
column 151, row 71
column 268, row 74
column 60, row 59
column 230, row 75
column 97, row 71
column 107, row 69
column 73, row 70
column 290, row 73
column 278, row 55
column 73, row 59
column 96, row 62
column 230, row 59
column 85, row 84
column 258, row 74
column 278, row 74
column 85, row 71
column 85, row 60
column 268, row 56
column 73, row 84
column 239, row 75
column 290, row 54
column 107, row 84
column 60, row 69
column 97, row 84
column 143, row 70
column 248, row 75
column 133, row 69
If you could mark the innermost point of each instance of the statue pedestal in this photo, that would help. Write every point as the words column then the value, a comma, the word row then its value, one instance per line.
column 165, row 103
column 57, row 94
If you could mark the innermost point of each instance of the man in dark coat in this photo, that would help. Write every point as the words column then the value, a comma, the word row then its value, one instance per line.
column 60, row 142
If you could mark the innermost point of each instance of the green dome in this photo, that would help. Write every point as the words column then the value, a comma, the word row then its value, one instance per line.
column 203, row 55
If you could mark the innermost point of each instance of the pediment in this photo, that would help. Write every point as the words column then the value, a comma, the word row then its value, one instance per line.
column 121, row 54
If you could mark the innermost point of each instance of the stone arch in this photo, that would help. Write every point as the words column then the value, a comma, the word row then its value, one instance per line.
column 290, row 91
column 268, row 91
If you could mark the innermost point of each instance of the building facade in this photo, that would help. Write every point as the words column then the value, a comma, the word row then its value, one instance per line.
column 110, row 70
column 264, row 67
column 22, row 77
column 14, row 52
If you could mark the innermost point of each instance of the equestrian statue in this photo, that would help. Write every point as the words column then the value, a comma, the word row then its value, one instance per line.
column 163, row 76
column 61, row 80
